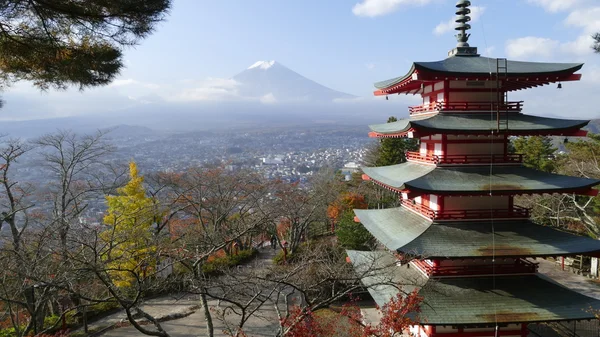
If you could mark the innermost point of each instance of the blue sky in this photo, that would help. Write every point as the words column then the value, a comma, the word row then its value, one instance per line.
column 345, row 45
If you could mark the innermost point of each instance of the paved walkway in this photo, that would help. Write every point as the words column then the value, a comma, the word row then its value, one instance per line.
column 193, row 322
column 578, row 283
column 264, row 324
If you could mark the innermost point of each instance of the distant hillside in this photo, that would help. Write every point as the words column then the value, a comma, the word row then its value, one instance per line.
column 126, row 131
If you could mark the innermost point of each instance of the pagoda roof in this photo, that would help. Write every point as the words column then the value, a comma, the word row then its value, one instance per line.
column 473, row 300
column 481, row 68
column 474, row 180
column 518, row 124
column 403, row 230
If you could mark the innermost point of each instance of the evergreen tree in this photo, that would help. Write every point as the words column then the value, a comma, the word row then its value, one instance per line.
column 392, row 150
column 56, row 43
column 596, row 45
column 537, row 151
column 351, row 234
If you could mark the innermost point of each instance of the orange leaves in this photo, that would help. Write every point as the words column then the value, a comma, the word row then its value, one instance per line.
column 346, row 201
column 396, row 317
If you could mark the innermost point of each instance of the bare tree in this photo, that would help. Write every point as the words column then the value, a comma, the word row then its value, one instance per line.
column 76, row 163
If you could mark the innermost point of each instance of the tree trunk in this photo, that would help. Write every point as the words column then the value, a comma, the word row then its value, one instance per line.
column 210, row 330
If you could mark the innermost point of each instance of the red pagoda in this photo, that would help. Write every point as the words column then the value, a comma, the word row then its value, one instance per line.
column 461, row 239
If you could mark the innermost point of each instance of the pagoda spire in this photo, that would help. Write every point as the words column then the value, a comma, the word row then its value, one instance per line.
column 462, row 26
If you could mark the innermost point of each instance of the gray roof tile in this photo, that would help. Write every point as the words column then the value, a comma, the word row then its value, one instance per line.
column 474, row 180
column 475, row 300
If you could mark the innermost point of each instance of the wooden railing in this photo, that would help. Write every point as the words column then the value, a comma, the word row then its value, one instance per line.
column 422, row 158
column 515, row 106
column 464, row 158
column 419, row 208
column 515, row 212
column 521, row 266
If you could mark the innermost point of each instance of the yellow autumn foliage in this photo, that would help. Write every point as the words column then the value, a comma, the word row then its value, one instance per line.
column 130, row 216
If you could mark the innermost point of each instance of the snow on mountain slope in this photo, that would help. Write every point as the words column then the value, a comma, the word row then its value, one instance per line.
column 273, row 82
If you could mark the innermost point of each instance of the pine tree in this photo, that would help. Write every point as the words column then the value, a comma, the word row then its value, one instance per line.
column 537, row 151
column 392, row 150
column 56, row 43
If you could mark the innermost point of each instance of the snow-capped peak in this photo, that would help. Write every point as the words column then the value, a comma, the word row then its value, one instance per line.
column 262, row 65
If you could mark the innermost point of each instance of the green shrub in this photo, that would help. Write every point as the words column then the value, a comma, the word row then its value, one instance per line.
column 278, row 259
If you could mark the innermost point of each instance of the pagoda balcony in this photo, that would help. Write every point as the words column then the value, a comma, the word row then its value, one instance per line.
column 464, row 158
column 520, row 266
column 467, row 107
column 515, row 212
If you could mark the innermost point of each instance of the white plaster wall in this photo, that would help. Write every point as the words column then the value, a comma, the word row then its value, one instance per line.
column 463, row 84
column 438, row 86
column 486, row 202
column 450, row 329
column 475, row 148
column 477, row 96
column 440, row 97
column 423, row 149
column 469, row 137
column 507, row 328
column 437, row 149
column 476, row 262
column 425, row 100
column 433, row 202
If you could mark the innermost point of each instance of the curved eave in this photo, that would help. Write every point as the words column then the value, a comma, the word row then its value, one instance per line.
column 483, row 66
column 476, row 180
column 395, row 81
column 404, row 231
column 467, row 301
column 394, row 227
column 520, row 75
column 408, row 171
column 518, row 124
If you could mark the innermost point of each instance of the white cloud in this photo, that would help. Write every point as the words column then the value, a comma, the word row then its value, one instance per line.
column 268, row 99
column 580, row 15
column 131, row 81
column 211, row 89
column 370, row 66
column 525, row 47
column 444, row 27
column 581, row 46
column 586, row 18
column 531, row 47
column 372, row 8
column 555, row 5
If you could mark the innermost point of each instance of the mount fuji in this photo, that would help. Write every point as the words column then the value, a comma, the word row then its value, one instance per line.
column 270, row 81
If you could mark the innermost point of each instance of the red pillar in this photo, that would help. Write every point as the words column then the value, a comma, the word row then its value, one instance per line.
column 436, row 266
